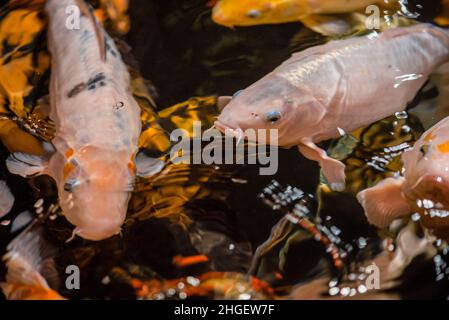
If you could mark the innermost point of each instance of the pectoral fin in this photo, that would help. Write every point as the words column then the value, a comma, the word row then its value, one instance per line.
column 147, row 167
column 384, row 202
column 333, row 170
column 328, row 25
column 27, row 165
column 223, row 101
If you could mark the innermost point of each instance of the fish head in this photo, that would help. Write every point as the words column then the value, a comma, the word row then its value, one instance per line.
column 249, row 12
column 426, row 172
column 95, row 190
column 272, row 104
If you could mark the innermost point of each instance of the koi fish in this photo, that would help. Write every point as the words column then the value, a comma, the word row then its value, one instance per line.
column 28, row 257
column 423, row 188
column 97, row 125
column 328, row 90
column 314, row 14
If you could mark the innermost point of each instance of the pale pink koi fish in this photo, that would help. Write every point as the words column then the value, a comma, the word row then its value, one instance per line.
column 97, row 124
column 327, row 90
column 423, row 188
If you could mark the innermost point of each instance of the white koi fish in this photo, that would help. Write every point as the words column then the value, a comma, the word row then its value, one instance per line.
column 97, row 125
column 327, row 90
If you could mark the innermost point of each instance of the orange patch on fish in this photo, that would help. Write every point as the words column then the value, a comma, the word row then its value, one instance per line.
column 68, row 168
column 184, row 262
column 444, row 147
column 69, row 152
column 429, row 137
column 29, row 292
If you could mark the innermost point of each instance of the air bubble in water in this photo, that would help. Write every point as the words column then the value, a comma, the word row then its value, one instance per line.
column 401, row 115
column 334, row 291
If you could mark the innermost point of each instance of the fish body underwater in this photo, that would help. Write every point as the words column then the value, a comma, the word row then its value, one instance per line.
column 97, row 125
column 422, row 189
column 325, row 91
column 30, row 267
column 232, row 13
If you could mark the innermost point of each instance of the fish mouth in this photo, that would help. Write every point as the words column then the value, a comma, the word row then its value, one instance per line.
column 235, row 132
column 221, row 126
column 221, row 19
column 430, row 196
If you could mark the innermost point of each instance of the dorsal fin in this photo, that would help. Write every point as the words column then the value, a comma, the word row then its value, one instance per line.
column 85, row 10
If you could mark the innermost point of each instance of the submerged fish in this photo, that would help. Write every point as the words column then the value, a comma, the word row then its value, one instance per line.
column 314, row 14
column 328, row 90
column 210, row 285
column 27, row 261
column 97, row 125
column 116, row 12
column 423, row 188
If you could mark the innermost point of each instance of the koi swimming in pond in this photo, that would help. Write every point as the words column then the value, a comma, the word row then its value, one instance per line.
column 320, row 16
column 326, row 91
column 96, row 141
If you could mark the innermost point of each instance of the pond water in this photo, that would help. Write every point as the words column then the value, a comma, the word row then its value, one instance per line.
column 225, row 231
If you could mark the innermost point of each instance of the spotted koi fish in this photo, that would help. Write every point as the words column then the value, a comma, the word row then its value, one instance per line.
column 97, row 125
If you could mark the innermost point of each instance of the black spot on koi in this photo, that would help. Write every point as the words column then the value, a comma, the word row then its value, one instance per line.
column 76, row 89
column 109, row 48
column 99, row 80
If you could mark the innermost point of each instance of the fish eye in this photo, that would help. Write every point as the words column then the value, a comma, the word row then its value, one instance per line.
column 70, row 185
column 273, row 116
column 424, row 149
column 253, row 13
column 237, row 93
